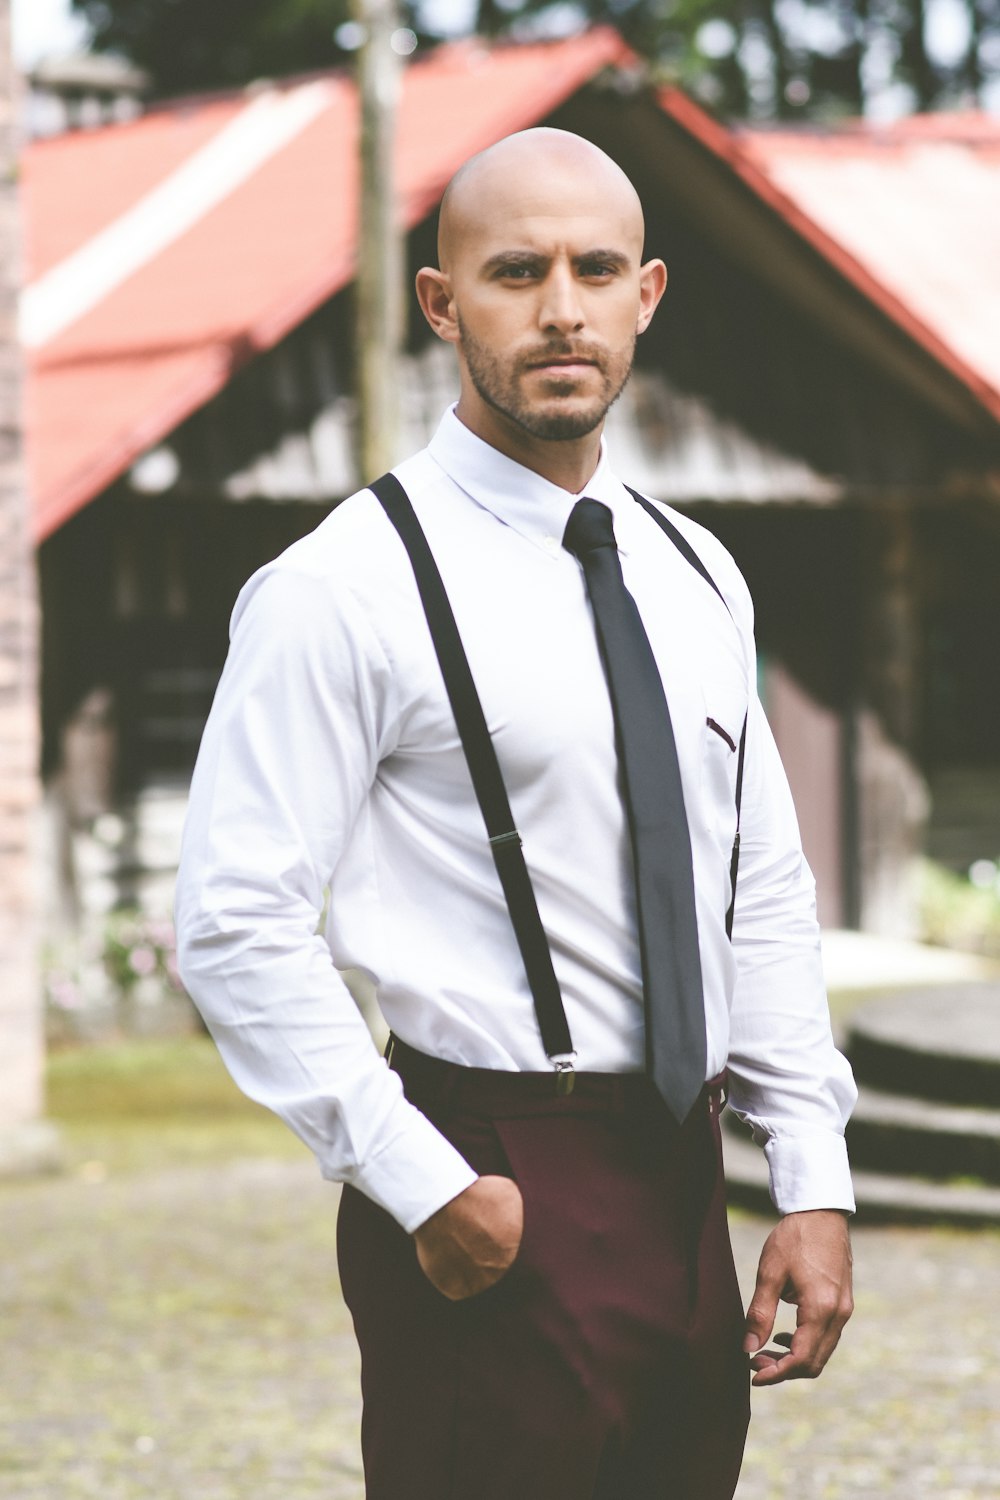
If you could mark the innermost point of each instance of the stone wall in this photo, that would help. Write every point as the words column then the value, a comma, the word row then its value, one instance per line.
column 21, row 1047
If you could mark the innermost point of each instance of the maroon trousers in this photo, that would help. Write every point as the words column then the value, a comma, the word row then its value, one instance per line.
column 606, row 1364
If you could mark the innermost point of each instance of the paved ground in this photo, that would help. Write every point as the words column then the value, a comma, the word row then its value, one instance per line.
column 178, row 1334
column 862, row 961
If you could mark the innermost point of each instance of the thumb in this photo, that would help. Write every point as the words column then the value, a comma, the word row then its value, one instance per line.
column 763, row 1307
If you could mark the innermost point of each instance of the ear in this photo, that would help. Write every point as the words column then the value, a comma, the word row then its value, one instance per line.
column 437, row 304
column 652, row 285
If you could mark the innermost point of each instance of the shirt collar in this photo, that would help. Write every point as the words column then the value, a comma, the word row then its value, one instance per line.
column 520, row 498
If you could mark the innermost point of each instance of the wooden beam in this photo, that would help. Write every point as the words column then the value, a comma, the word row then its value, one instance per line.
column 379, row 283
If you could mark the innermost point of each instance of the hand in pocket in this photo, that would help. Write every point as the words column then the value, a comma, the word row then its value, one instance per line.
column 470, row 1244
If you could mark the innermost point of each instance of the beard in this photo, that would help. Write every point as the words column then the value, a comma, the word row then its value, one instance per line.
column 500, row 386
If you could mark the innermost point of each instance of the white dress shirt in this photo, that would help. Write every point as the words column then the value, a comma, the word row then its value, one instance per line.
column 331, row 760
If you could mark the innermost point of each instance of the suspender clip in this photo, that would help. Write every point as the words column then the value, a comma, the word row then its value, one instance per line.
column 565, row 1075
column 499, row 840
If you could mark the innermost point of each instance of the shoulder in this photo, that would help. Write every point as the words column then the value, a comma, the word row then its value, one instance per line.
column 717, row 560
column 352, row 562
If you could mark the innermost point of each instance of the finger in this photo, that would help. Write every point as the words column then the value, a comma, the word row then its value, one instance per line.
column 769, row 1356
column 809, row 1349
column 763, row 1307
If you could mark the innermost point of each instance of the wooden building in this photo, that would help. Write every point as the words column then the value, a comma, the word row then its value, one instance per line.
column 191, row 413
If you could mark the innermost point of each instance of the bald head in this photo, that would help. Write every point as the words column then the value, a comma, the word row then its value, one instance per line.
column 542, row 289
column 545, row 171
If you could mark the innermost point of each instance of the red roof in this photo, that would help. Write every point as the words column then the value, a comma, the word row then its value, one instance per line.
column 163, row 252
column 917, row 206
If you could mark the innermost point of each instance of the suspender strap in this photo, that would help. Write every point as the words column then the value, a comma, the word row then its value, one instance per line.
column 679, row 540
column 690, row 555
column 734, row 862
column 491, row 794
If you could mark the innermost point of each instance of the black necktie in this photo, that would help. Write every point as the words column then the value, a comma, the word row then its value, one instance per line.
column 654, row 803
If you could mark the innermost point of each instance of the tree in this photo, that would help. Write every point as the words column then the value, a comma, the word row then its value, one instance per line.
column 763, row 58
column 24, row 1143
column 191, row 45
column 379, row 283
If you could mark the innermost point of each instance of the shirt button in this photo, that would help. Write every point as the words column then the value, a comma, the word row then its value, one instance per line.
column 553, row 544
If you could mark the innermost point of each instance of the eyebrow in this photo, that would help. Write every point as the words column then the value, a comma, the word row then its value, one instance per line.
column 503, row 258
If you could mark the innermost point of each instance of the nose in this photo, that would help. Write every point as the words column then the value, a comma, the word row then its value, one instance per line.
column 560, row 310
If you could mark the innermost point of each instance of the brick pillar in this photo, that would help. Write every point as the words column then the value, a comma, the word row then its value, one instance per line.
column 26, row 1143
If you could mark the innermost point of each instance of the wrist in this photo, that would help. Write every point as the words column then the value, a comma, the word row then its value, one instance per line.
column 440, row 1215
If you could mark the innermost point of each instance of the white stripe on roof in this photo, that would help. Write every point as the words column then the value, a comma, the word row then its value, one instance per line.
column 77, row 284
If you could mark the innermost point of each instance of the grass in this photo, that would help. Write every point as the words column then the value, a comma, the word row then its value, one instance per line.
column 170, row 1327
column 137, row 1105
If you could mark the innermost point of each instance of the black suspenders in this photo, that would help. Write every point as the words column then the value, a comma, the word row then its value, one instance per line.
column 491, row 794
column 484, row 769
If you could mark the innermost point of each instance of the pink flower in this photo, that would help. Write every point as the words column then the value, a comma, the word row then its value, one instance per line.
column 142, row 961
column 65, row 993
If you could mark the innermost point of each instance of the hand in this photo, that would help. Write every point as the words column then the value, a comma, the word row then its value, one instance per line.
column 806, row 1260
column 470, row 1243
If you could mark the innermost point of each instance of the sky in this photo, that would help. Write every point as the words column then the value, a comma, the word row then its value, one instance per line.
column 44, row 27
column 48, row 26
column 41, row 27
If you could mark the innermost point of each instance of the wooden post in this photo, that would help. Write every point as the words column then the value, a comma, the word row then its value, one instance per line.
column 379, row 284
column 25, row 1142
column 892, row 794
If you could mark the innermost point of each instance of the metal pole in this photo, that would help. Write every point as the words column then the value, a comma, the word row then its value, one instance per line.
column 379, row 283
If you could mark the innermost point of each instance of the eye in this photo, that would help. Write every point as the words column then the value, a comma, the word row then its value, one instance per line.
column 516, row 271
column 597, row 270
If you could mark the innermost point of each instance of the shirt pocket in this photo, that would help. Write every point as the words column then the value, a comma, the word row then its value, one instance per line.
column 725, row 709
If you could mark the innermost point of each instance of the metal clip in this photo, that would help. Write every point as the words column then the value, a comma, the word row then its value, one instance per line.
column 565, row 1076
column 499, row 839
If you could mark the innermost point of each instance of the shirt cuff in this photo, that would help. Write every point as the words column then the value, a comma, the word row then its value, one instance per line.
column 809, row 1172
column 417, row 1173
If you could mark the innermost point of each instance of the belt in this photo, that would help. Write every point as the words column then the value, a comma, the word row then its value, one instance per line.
column 498, row 1092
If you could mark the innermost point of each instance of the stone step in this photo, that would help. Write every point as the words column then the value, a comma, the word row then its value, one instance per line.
column 898, row 1134
column 881, row 1198
column 941, row 1044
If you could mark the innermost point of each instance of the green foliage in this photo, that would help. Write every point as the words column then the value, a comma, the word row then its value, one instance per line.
column 138, row 947
column 762, row 58
column 134, row 1105
column 188, row 45
column 113, row 964
column 957, row 914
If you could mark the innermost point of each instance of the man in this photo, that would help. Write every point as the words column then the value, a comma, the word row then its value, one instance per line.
column 532, row 1236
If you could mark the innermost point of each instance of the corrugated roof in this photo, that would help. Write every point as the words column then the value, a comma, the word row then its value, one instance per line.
column 795, row 173
column 164, row 252
column 917, row 205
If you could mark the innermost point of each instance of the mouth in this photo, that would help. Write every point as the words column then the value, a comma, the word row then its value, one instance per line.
column 563, row 365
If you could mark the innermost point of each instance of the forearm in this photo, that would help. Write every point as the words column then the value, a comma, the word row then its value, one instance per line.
column 791, row 1086
column 294, row 1041
column 787, row 1079
column 303, row 715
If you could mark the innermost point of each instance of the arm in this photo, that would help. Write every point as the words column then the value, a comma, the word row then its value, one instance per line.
column 305, row 711
column 468, row 1245
column 788, row 1080
column 806, row 1260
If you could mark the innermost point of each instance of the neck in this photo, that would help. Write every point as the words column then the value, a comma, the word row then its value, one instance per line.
column 570, row 464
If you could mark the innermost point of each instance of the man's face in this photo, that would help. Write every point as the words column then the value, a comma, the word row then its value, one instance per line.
column 553, row 376
column 547, row 295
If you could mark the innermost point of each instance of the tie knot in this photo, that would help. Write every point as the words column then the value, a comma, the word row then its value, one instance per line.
column 590, row 526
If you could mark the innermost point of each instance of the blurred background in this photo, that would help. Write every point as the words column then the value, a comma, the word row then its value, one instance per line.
column 209, row 219
column 205, row 375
